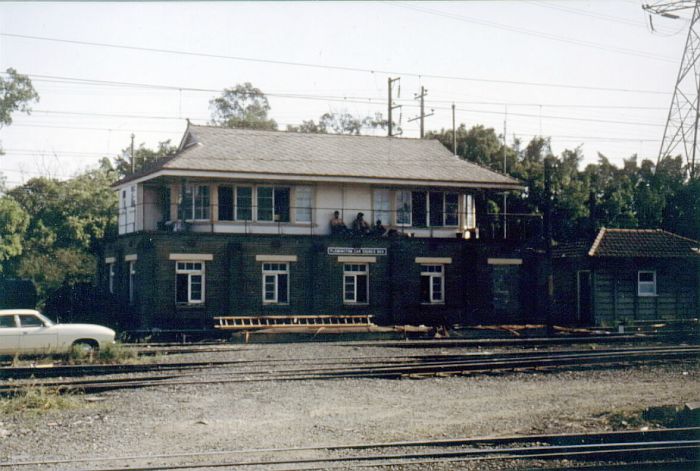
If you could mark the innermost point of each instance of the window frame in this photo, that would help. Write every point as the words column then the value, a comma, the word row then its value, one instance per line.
column 652, row 284
column 381, row 206
column 198, row 269
column 275, row 270
column 350, row 271
column 425, row 271
column 193, row 205
column 111, row 275
column 298, row 206
column 404, row 209
column 132, row 281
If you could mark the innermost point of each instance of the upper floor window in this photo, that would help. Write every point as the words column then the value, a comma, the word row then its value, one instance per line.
column 195, row 202
column 403, row 208
column 303, row 195
column 273, row 203
column 382, row 206
column 646, row 283
column 470, row 211
column 432, row 209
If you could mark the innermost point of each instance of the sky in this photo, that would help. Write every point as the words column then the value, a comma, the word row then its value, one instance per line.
column 587, row 73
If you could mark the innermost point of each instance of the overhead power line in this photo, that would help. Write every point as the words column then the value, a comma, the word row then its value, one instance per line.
column 331, row 67
column 540, row 34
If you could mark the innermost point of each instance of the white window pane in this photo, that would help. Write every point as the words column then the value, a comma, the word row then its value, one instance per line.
column 303, row 203
column 382, row 206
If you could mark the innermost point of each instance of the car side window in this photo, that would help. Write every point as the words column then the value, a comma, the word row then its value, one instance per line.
column 7, row 322
column 30, row 321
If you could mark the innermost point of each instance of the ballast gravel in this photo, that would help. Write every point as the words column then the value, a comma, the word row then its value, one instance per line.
column 279, row 414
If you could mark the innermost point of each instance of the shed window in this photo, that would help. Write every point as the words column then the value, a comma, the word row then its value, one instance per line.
column 646, row 283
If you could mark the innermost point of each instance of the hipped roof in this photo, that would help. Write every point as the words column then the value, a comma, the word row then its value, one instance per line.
column 332, row 156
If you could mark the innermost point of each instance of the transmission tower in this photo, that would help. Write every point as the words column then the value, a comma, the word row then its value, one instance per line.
column 681, row 133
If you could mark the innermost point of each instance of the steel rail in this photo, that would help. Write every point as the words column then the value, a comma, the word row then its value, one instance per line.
column 624, row 436
column 104, row 369
column 534, row 452
column 393, row 372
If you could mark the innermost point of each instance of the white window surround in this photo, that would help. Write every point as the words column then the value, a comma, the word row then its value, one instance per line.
column 275, row 283
column 434, row 260
column 131, row 257
column 354, row 259
column 646, row 283
column 192, row 274
column 110, row 259
column 195, row 257
column 355, row 291
column 276, row 258
column 435, row 275
column 504, row 261
column 132, row 281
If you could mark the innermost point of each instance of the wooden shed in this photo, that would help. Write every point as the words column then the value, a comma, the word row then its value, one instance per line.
column 626, row 275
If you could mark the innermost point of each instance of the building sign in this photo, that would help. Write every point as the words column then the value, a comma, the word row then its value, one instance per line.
column 356, row 251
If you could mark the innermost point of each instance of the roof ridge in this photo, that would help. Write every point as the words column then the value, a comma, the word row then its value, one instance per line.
column 678, row 236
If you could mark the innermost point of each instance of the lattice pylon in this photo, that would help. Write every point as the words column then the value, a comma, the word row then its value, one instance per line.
column 681, row 133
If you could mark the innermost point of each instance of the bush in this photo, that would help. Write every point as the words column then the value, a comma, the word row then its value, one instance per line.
column 37, row 399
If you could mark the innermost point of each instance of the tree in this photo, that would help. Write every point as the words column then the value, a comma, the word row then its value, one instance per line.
column 16, row 92
column 340, row 122
column 13, row 225
column 478, row 144
column 143, row 157
column 242, row 106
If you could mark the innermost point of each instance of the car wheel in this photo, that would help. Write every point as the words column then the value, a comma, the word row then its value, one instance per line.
column 85, row 347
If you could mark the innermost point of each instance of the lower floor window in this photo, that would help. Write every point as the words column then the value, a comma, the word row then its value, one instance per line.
column 275, row 283
column 355, row 284
column 432, row 284
column 132, row 281
column 190, row 282
column 111, row 276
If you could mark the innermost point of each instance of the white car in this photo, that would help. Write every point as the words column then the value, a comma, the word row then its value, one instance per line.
column 27, row 331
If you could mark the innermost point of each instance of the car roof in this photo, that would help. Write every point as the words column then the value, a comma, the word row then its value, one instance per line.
column 5, row 312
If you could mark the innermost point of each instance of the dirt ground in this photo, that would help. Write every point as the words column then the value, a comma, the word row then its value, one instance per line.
column 290, row 414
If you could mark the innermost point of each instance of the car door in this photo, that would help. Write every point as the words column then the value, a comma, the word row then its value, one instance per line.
column 34, row 335
column 9, row 335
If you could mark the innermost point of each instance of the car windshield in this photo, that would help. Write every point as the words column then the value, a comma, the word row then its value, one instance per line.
column 47, row 322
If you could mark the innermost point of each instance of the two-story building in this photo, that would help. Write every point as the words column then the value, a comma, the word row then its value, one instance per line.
column 237, row 222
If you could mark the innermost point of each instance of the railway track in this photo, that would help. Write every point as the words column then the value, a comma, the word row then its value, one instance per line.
column 675, row 447
column 175, row 374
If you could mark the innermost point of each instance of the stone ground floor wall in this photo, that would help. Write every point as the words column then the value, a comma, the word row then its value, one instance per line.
column 482, row 283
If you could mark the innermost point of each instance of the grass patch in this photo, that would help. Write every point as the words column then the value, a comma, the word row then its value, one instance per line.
column 660, row 416
column 114, row 354
column 35, row 399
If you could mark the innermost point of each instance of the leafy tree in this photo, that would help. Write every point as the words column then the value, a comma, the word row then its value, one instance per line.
column 478, row 144
column 144, row 157
column 243, row 106
column 340, row 122
column 16, row 92
column 13, row 225
column 67, row 222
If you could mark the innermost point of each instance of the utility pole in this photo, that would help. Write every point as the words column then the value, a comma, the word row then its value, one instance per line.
column 549, row 305
column 133, row 164
column 454, row 132
column 421, row 97
column 391, row 104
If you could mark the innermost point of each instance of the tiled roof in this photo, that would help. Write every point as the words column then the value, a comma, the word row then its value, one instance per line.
column 578, row 248
column 218, row 149
column 642, row 243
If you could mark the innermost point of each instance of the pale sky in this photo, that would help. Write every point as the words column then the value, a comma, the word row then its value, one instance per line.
column 614, row 77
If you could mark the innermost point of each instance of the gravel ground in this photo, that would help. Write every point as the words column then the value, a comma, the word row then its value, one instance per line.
column 170, row 419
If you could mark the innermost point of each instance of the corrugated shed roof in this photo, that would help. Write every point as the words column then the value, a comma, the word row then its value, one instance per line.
column 654, row 243
column 218, row 149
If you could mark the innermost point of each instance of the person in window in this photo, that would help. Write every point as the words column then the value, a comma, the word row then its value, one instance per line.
column 337, row 224
column 359, row 225
column 379, row 230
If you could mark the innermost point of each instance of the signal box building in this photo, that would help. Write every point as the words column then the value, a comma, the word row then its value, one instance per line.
column 238, row 222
